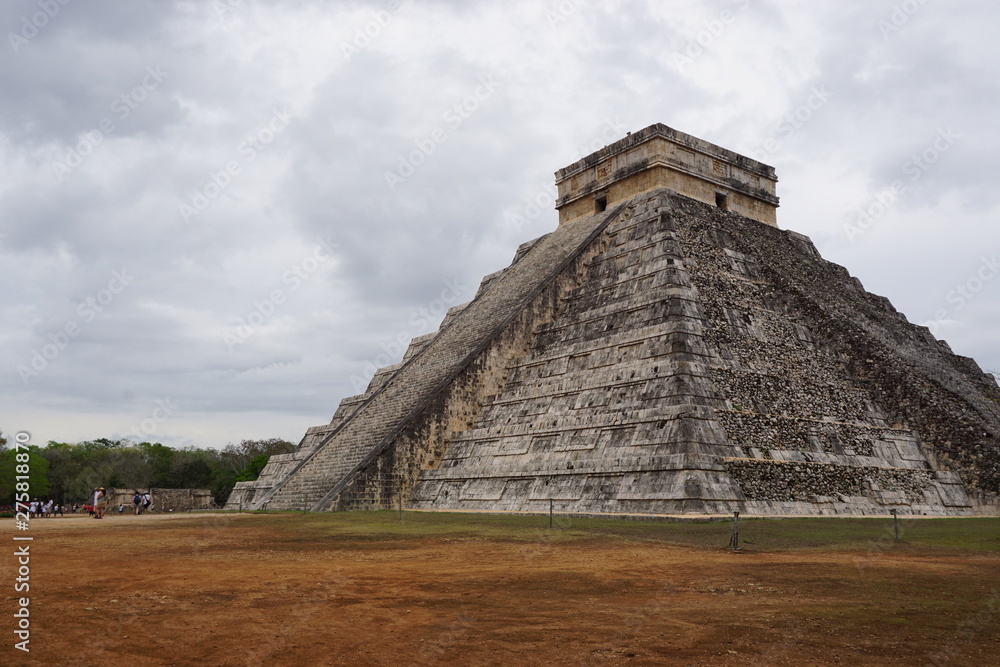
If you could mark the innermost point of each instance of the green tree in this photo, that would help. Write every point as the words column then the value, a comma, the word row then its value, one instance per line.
column 239, row 456
column 190, row 469
column 160, row 459
column 129, row 467
column 237, row 460
column 14, row 463
column 252, row 471
column 64, row 466
column 75, row 469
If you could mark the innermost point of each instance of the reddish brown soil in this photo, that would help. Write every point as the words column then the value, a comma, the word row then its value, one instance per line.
column 255, row 590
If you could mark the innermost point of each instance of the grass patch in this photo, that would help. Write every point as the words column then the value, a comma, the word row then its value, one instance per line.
column 763, row 535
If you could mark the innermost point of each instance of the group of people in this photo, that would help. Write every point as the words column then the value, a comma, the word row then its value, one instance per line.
column 140, row 503
column 39, row 509
column 98, row 507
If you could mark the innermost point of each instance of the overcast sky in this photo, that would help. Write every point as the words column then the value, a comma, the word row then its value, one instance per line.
column 216, row 218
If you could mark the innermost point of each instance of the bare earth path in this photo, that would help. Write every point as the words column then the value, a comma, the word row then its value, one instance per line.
column 305, row 590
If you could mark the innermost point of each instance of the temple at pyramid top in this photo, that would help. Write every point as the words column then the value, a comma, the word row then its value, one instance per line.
column 662, row 157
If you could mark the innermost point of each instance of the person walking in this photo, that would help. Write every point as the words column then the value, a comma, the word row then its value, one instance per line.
column 100, row 503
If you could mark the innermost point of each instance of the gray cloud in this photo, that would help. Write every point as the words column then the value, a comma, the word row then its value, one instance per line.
column 276, row 125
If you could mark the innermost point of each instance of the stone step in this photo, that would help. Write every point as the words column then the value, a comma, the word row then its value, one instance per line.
column 425, row 374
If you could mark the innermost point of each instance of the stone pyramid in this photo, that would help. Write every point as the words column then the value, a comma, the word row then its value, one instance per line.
column 667, row 349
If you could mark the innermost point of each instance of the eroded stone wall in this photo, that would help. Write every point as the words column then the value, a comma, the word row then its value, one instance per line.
column 666, row 357
column 382, row 416
column 164, row 500
column 687, row 372
column 819, row 372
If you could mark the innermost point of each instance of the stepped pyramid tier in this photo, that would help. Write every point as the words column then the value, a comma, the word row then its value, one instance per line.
column 666, row 349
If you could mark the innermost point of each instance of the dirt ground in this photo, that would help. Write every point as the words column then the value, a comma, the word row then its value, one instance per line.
column 280, row 590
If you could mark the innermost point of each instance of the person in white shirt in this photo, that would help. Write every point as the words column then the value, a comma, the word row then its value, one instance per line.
column 100, row 503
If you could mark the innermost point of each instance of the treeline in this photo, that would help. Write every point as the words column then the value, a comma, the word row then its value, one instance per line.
column 69, row 472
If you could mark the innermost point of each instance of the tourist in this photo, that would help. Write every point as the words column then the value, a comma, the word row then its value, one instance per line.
column 145, row 502
column 136, row 501
column 100, row 503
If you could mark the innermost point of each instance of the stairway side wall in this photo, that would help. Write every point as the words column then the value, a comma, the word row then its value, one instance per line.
column 610, row 411
column 425, row 439
column 381, row 418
